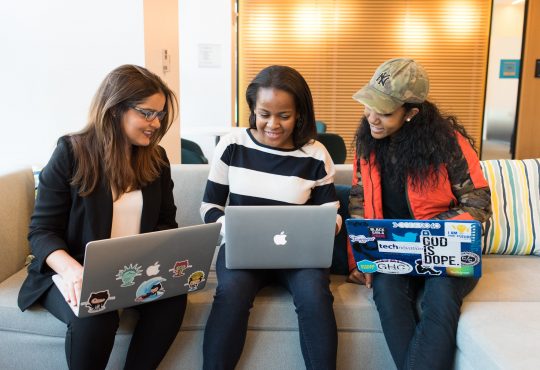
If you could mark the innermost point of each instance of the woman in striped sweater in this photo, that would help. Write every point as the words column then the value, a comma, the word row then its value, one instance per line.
column 275, row 161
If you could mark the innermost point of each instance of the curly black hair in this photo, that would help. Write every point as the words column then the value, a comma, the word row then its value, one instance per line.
column 417, row 149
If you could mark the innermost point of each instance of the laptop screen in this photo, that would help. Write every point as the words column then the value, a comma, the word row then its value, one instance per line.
column 417, row 247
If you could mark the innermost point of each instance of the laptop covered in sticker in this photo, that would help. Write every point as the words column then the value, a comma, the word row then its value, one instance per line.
column 417, row 247
column 279, row 237
column 132, row 270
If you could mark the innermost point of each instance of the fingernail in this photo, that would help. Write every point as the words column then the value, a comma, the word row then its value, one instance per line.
column 368, row 286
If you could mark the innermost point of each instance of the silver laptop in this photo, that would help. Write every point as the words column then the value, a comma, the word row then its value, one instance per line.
column 273, row 237
column 132, row 270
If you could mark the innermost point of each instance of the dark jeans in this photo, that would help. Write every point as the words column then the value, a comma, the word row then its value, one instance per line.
column 428, row 340
column 89, row 341
column 226, row 328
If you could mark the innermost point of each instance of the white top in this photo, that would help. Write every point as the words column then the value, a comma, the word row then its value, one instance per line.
column 246, row 172
column 127, row 212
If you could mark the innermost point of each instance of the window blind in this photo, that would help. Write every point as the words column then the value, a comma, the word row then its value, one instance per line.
column 338, row 44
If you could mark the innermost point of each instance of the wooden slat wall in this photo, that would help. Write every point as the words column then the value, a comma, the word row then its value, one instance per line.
column 527, row 143
column 338, row 44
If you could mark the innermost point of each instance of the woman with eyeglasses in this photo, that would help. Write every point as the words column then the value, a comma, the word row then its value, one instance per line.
column 111, row 179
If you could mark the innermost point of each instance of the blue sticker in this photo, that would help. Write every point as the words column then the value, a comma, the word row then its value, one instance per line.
column 408, row 237
column 150, row 290
column 366, row 266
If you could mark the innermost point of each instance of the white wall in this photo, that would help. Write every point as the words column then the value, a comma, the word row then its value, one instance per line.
column 161, row 33
column 501, row 93
column 206, row 69
column 54, row 55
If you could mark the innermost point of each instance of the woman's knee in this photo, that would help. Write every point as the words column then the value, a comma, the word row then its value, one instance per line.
column 388, row 290
column 234, row 295
column 314, row 294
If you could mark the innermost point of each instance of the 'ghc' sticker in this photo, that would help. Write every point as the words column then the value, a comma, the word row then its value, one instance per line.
column 388, row 266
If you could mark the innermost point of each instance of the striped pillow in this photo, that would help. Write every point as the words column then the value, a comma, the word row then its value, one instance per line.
column 514, row 227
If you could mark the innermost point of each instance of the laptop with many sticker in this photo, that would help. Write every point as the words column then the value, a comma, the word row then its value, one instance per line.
column 417, row 247
column 132, row 270
column 275, row 237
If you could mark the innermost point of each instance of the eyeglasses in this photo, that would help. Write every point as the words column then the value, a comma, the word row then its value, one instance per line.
column 150, row 115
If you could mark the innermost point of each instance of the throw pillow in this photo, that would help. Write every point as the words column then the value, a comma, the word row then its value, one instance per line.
column 514, row 227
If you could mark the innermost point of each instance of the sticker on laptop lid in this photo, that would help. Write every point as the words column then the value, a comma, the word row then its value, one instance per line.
column 389, row 246
column 463, row 271
column 366, row 266
column 423, row 270
column 150, row 290
column 128, row 274
column 440, row 251
column 391, row 266
column 194, row 280
column 409, row 236
column 361, row 239
column 458, row 230
column 377, row 232
column 179, row 268
column 470, row 259
column 97, row 301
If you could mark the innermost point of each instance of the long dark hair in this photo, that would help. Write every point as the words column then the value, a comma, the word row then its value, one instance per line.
column 417, row 149
column 99, row 147
column 290, row 80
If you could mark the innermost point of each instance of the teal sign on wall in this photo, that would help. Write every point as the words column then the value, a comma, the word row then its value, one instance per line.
column 509, row 68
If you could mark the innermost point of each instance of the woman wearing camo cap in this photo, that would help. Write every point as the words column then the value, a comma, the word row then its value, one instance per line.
column 412, row 162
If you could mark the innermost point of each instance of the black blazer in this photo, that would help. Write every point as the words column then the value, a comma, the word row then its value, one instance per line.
column 64, row 220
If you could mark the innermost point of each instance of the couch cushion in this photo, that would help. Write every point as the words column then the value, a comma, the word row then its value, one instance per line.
column 514, row 227
column 37, row 320
column 273, row 309
column 510, row 344
column 507, row 279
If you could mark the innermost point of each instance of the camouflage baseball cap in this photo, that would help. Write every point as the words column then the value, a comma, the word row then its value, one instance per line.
column 395, row 82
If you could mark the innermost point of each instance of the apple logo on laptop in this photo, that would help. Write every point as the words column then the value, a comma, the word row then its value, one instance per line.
column 280, row 239
column 153, row 269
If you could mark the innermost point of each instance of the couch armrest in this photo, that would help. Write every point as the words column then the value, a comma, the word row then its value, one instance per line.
column 17, row 194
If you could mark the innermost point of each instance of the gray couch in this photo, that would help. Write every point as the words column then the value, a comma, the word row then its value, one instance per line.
column 499, row 328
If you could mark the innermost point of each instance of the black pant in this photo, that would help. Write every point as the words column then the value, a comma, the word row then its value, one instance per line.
column 89, row 341
column 427, row 341
column 227, row 325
